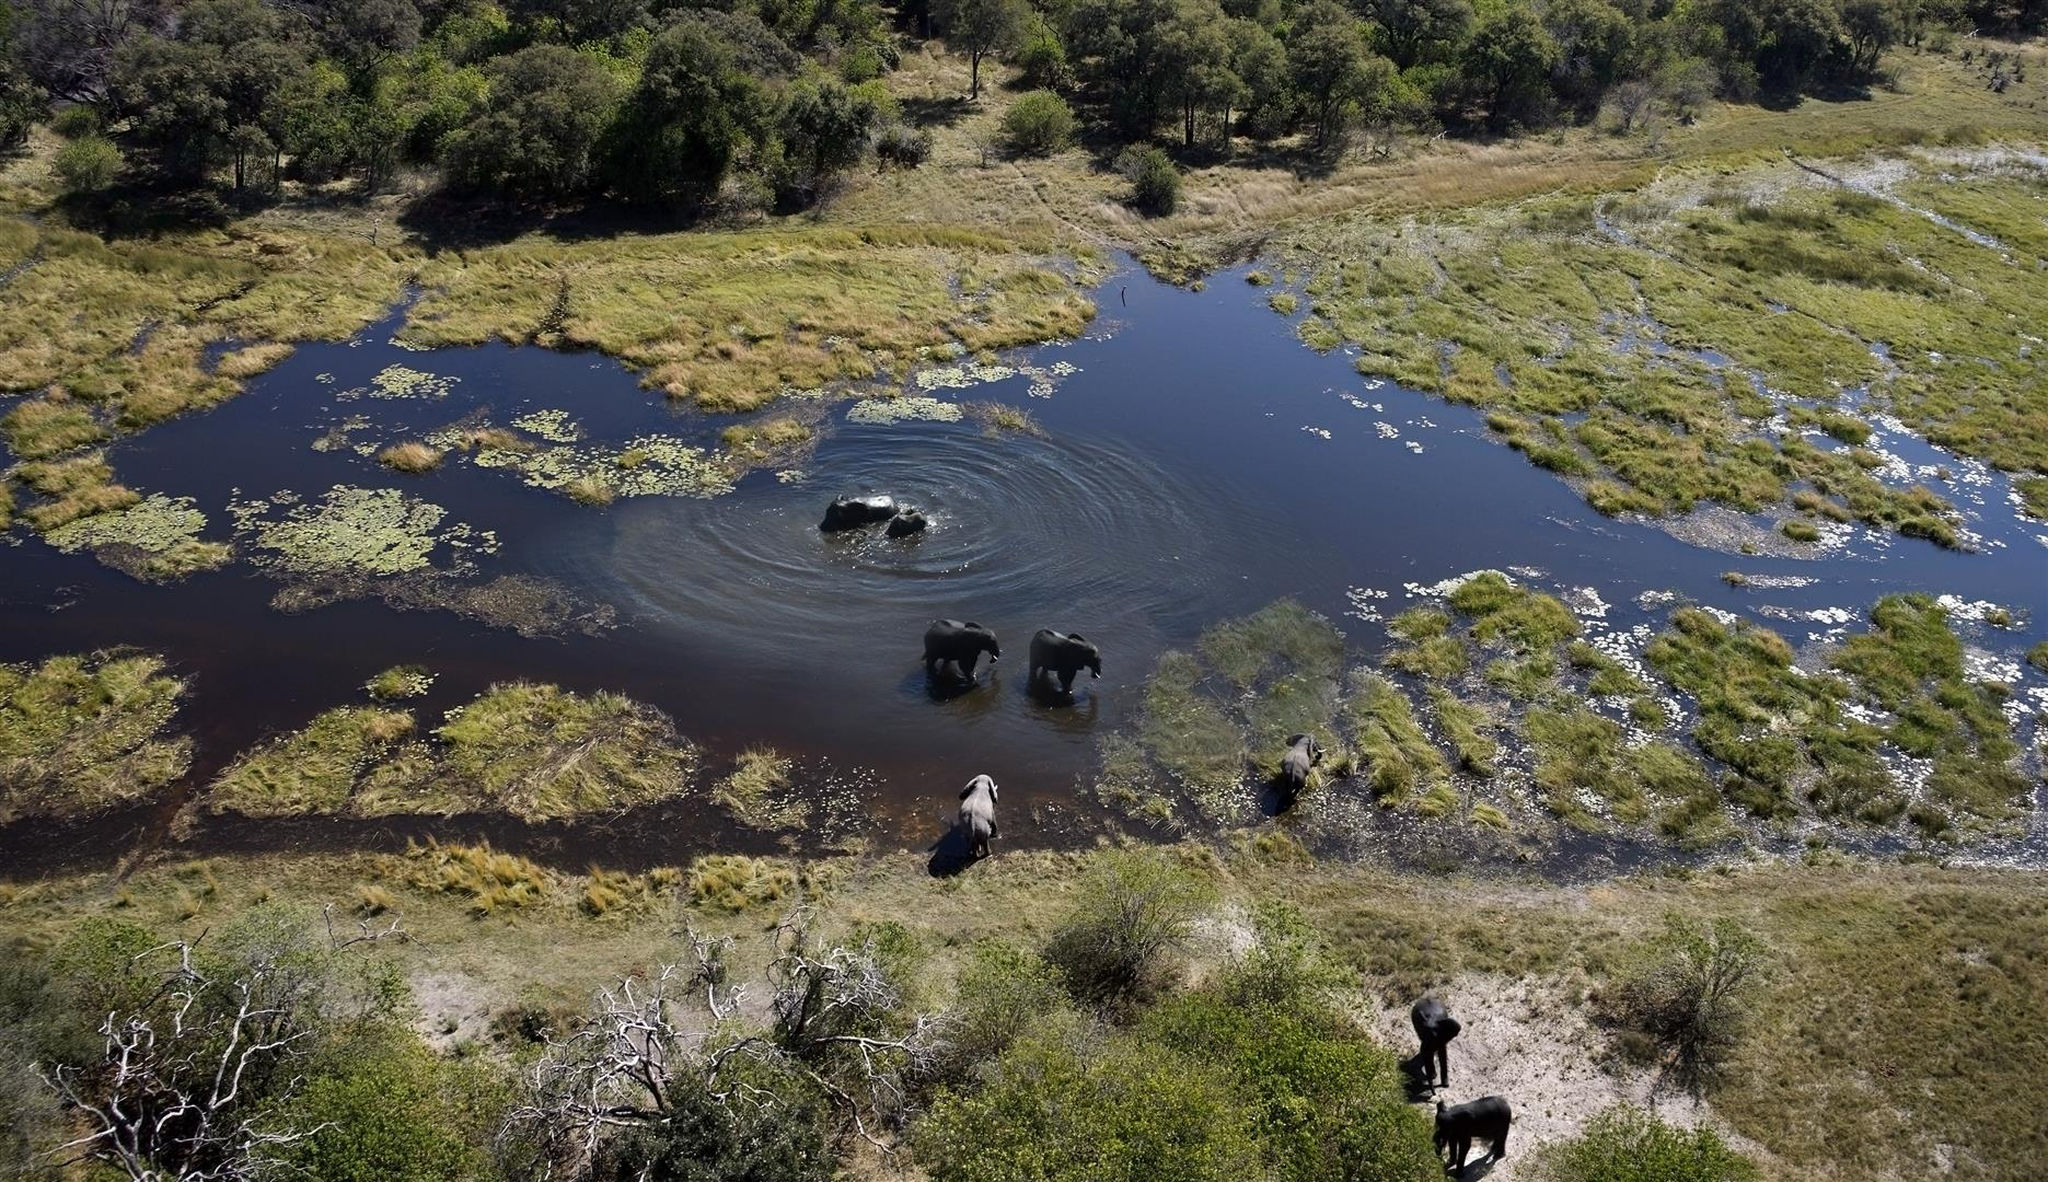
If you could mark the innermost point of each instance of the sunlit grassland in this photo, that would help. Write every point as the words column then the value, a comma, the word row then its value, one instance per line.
column 1905, row 1008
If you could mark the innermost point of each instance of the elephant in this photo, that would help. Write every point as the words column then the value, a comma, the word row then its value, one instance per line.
column 908, row 523
column 1434, row 1028
column 977, row 818
column 1486, row 1118
column 1065, row 655
column 854, row 512
column 1303, row 753
column 960, row 643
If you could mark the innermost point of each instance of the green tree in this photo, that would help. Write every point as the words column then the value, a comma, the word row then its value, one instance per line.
column 226, row 69
column 1042, row 56
column 824, row 129
column 979, row 28
column 1510, row 56
column 1196, row 53
column 1335, row 74
column 694, row 107
column 1260, row 62
column 537, row 133
column 1038, row 124
column 1595, row 49
column 1415, row 31
column 1871, row 27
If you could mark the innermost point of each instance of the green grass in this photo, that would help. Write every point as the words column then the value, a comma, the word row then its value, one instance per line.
column 757, row 791
column 1395, row 753
column 79, row 734
column 735, row 883
column 411, row 456
column 1466, row 727
column 399, row 683
column 535, row 752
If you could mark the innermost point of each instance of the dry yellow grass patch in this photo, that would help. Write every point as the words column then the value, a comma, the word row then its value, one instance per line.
column 411, row 456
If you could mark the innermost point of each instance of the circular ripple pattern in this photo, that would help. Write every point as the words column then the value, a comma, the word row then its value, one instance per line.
column 1054, row 529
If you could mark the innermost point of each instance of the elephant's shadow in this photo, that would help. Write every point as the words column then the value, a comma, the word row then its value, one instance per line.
column 1474, row 1170
column 948, row 686
column 1418, row 1091
column 950, row 854
column 1275, row 796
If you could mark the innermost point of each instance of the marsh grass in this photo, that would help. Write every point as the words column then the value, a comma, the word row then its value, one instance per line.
column 71, row 488
column 43, row 427
column 757, row 791
column 81, row 733
column 535, row 752
column 399, row 683
column 488, row 881
column 1000, row 418
column 1397, row 756
column 314, row 770
column 591, row 490
column 411, row 456
column 735, row 883
column 768, row 438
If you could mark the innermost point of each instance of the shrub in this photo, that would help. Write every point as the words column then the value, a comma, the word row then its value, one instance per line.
column 1686, row 1001
column 1626, row 1144
column 1134, row 911
column 1003, row 992
column 381, row 1108
column 1039, row 123
column 902, row 145
column 88, row 164
column 76, row 121
column 1042, row 58
column 1155, row 182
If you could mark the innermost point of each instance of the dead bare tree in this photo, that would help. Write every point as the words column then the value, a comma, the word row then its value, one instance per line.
column 648, row 1051
column 185, row 1078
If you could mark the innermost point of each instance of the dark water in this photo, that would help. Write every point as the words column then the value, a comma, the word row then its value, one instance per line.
column 1183, row 476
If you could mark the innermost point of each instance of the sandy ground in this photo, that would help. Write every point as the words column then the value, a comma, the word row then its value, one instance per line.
column 1540, row 1052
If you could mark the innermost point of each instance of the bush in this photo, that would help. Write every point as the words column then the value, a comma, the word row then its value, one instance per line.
column 88, row 164
column 1003, row 992
column 76, row 121
column 384, row 1107
column 1039, row 124
column 1155, row 182
column 902, row 145
column 1626, row 1144
column 1686, row 1001
column 1042, row 58
column 1134, row 911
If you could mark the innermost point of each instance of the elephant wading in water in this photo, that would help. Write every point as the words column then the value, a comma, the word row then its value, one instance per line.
column 1303, row 754
column 960, row 643
column 1485, row 1119
column 977, row 819
column 1064, row 655
column 909, row 523
column 854, row 512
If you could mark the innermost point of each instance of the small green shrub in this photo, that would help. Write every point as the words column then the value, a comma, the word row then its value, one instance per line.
column 88, row 164
column 1039, row 124
column 1155, row 182
column 1133, row 913
column 76, row 121
column 1628, row 1144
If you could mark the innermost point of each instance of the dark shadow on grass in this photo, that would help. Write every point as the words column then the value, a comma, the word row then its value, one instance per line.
column 935, row 112
column 950, row 854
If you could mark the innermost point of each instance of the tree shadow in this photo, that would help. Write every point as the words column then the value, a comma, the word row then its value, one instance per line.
column 935, row 112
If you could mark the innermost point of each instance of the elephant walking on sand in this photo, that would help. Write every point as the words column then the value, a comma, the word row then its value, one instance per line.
column 977, row 819
column 1434, row 1029
column 959, row 642
column 1484, row 1119
column 1065, row 655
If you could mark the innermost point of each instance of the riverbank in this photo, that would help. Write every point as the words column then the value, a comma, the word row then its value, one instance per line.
column 1898, row 1028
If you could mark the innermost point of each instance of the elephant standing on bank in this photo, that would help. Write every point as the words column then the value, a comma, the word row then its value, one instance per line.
column 1485, row 1119
column 1434, row 1029
column 977, row 819
column 1064, row 655
column 959, row 642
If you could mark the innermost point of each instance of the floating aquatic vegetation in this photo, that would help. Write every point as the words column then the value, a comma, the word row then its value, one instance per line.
column 791, row 475
column 81, row 733
column 555, row 426
column 885, row 411
column 403, row 381
column 518, row 603
column 399, row 682
column 1318, row 432
column 960, row 377
column 360, row 531
column 156, row 538
column 649, row 466
column 336, row 438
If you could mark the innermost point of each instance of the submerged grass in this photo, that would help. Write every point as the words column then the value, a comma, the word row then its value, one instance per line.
column 81, row 733
column 756, row 791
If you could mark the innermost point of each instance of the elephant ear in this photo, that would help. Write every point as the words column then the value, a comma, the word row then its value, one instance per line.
column 967, row 791
column 970, row 624
column 1076, row 636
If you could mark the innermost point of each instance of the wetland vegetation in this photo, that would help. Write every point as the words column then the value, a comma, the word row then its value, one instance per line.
column 1767, row 277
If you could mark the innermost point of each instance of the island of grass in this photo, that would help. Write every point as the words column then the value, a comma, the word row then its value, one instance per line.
column 80, row 734
column 535, row 752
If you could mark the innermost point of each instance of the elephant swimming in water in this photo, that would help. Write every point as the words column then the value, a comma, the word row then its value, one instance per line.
column 908, row 523
column 960, row 643
column 977, row 818
column 1065, row 655
column 854, row 512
